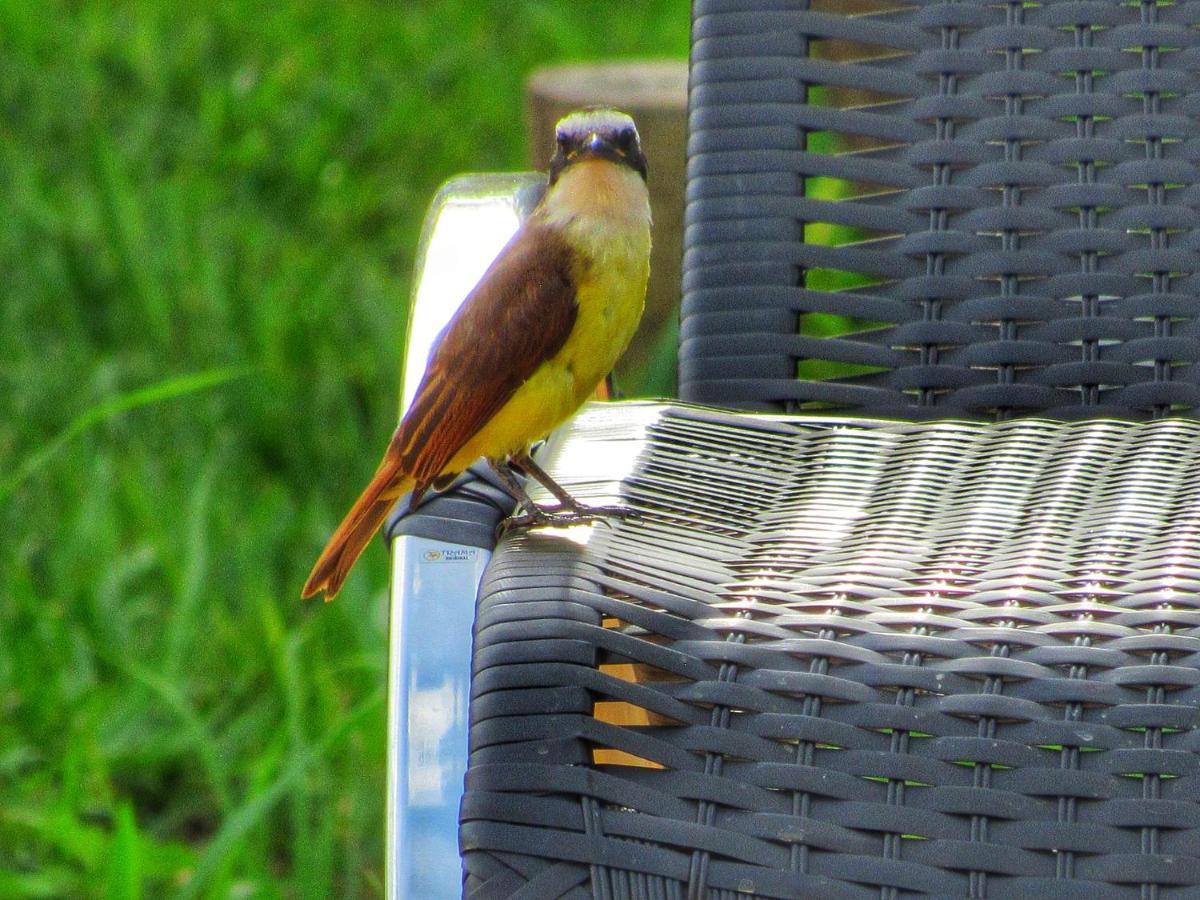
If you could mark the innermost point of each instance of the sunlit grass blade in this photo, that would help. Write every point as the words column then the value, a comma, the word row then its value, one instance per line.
column 257, row 806
column 128, row 234
column 159, row 392
column 124, row 865
column 190, row 582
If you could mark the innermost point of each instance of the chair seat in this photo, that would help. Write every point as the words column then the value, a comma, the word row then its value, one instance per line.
column 845, row 658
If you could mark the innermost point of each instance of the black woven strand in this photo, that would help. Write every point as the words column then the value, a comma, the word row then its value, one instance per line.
column 998, row 200
column 873, row 659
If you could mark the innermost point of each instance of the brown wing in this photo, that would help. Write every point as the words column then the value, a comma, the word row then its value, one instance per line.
column 518, row 316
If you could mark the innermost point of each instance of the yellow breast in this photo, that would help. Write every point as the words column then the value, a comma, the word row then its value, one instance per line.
column 604, row 211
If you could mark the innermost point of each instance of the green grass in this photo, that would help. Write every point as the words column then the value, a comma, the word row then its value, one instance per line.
column 207, row 223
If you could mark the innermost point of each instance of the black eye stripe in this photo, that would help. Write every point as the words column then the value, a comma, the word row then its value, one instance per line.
column 623, row 136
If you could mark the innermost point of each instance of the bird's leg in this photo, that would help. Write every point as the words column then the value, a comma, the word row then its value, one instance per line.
column 513, row 485
column 525, row 463
column 573, row 509
column 534, row 514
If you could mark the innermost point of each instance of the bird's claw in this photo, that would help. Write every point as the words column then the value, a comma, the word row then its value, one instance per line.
column 561, row 517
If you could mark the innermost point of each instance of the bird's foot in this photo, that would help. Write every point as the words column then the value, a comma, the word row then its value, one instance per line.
column 563, row 517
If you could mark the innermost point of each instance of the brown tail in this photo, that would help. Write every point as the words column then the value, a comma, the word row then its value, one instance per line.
column 356, row 530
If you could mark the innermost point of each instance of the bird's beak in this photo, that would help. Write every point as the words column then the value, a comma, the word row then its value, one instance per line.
column 596, row 146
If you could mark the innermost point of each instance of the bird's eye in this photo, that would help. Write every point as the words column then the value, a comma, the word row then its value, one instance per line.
column 625, row 138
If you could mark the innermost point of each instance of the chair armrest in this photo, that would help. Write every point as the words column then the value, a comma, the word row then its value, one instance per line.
column 439, row 553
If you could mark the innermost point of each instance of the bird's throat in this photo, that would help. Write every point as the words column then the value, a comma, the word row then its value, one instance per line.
column 603, row 212
column 597, row 195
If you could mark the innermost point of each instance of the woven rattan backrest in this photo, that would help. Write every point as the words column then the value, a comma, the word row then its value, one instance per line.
column 968, row 208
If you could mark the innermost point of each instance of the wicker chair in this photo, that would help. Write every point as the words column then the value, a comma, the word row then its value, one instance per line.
column 951, row 652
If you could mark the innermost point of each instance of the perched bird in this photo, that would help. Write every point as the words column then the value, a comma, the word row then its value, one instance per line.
column 529, row 344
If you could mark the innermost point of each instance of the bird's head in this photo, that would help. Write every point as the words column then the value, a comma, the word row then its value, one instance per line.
column 596, row 133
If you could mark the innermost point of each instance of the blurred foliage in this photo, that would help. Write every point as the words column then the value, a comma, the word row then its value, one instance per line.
column 209, row 215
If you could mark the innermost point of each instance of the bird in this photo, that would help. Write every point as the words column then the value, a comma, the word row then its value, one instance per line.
column 529, row 344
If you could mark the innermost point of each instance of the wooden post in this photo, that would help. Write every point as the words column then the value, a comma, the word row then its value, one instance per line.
column 655, row 94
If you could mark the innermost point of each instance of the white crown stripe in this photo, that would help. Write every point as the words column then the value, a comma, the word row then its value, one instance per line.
column 594, row 120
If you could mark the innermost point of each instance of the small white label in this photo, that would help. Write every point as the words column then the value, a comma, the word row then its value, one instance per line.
column 455, row 555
